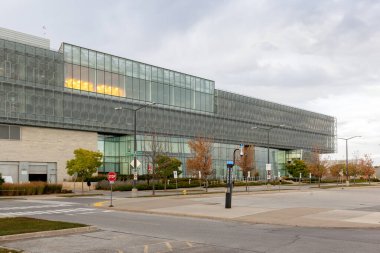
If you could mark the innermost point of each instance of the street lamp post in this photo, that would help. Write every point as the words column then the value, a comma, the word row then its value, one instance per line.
column 268, row 129
column 346, row 139
column 134, row 190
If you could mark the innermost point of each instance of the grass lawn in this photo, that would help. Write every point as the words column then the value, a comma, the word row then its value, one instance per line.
column 21, row 225
column 5, row 250
column 339, row 186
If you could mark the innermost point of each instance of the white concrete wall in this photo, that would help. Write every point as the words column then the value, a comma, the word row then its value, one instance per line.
column 47, row 145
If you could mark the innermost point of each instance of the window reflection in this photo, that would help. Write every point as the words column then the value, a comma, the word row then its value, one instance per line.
column 92, row 71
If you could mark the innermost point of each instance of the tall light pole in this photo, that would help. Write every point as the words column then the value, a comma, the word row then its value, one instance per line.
column 134, row 190
column 268, row 129
column 346, row 139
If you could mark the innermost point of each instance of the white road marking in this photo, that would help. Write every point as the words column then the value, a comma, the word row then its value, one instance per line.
column 58, row 211
column 169, row 246
column 30, row 207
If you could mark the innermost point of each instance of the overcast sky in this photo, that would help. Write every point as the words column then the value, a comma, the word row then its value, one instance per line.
column 319, row 55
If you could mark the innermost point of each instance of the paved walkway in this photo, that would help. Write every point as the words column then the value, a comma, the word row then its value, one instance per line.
column 348, row 207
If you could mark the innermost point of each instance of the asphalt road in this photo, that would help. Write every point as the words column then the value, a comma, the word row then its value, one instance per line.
column 122, row 232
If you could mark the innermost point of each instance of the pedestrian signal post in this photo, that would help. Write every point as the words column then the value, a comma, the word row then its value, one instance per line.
column 230, row 165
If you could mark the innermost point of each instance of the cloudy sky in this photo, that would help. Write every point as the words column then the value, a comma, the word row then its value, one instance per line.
column 320, row 55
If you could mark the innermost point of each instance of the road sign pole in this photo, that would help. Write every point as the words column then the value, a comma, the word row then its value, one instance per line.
column 111, row 178
column 111, row 197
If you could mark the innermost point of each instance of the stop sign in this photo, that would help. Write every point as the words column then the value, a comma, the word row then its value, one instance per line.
column 111, row 177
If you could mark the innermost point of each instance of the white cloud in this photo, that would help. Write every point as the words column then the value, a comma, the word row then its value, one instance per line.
column 318, row 55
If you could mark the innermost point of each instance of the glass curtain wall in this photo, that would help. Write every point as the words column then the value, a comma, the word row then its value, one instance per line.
column 99, row 73
column 118, row 155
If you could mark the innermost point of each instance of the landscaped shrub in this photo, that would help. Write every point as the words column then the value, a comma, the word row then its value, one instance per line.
column 34, row 188
column 53, row 188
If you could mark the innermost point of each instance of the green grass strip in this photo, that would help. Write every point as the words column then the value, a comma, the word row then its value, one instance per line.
column 21, row 225
column 5, row 250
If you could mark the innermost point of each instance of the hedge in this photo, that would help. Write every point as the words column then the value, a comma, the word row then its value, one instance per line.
column 34, row 188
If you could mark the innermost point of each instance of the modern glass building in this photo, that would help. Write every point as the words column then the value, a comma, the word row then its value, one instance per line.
column 52, row 102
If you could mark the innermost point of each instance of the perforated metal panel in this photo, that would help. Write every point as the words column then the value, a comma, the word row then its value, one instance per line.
column 32, row 93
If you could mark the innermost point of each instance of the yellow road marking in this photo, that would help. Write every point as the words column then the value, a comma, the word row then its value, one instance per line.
column 169, row 246
column 120, row 251
column 99, row 204
column 146, row 248
column 189, row 244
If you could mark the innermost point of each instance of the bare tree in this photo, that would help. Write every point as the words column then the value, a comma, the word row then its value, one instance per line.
column 353, row 167
column 201, row 148
column 246, row 162
column 156, row 150
column 316, row 165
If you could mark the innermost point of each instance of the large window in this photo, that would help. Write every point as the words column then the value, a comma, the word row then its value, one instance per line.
column 92, row 71
column 8, row 132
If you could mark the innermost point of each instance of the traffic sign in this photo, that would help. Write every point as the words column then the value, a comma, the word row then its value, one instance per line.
column 137, row 163
column 268, row 166
column 175, row 174
column 135, row 176
column 269, row 174
column 111, row 177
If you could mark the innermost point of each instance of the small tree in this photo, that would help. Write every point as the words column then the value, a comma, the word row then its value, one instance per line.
column 366, row 167
column 336, row 170
column 354, row 169
column 84, row 164
column 201, row 148
column 246, row 162
column 317, row 166
column 166, row 166
column 1, row 179
column 296, row 167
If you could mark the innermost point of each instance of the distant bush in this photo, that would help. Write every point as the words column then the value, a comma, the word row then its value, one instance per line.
column 34, row 188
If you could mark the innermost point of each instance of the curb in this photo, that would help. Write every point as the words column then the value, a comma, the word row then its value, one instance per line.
column 69, row 231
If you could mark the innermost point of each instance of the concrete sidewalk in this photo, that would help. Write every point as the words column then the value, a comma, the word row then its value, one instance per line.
column 344, row 208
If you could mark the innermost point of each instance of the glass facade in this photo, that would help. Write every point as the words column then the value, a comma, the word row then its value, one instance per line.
column 118, row 155
column 91, row 71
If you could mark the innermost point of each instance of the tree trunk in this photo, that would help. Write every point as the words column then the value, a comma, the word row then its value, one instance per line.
column 319, row 182
column 165, row 182
column 206, row 182
column 82, row 185
column 153, row 181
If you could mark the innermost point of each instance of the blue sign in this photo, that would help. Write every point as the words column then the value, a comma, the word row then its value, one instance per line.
column 230, row 163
